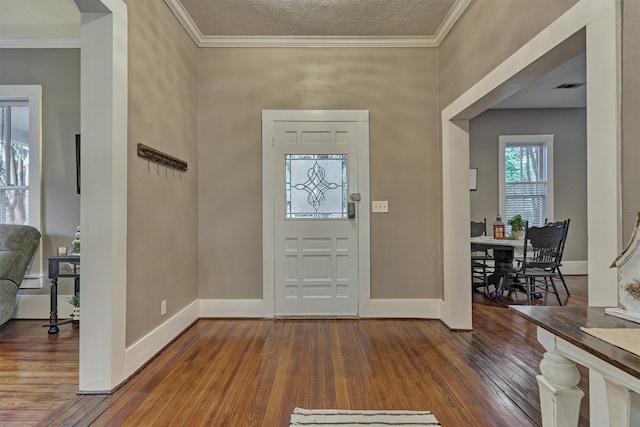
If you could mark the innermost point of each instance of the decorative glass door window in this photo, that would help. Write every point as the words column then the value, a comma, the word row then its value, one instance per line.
column 316, row 186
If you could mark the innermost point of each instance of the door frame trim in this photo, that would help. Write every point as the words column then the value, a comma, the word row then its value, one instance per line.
column 364, row 228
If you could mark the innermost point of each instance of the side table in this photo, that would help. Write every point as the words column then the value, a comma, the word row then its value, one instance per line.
column 54, row 274
column 566, row 344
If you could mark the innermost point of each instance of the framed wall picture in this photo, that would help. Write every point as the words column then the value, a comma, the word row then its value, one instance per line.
column 78, row 163
column 473, row 179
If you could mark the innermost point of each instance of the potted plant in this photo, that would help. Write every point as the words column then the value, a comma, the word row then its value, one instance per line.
column 517, row 226
column 75, row 302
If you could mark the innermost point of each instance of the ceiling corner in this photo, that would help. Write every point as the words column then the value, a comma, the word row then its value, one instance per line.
column 452, row 17
column 185, row 19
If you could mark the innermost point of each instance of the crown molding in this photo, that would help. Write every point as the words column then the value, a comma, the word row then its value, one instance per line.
column 39, row 42
column 450, row 20
column 315, row 41
column 185, row 19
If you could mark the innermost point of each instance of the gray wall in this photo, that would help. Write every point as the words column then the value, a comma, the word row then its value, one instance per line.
column 630, row 109
column 162, row 207
column 487, row 33
column 570, row 164
column 399, row 88
column 58, row 71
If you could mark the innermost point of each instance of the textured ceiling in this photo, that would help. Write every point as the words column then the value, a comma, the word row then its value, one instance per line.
column 39, row 18
column 269, row 18
column 342, row 18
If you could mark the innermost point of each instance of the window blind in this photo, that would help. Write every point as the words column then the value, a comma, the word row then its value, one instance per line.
column 528, row 199
column 14, row 205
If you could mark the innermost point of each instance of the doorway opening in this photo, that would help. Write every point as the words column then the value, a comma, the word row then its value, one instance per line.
column 559, row 42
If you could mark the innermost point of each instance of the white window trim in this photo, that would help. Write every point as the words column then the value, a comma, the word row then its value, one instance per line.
column 33, row 95
column 503, row 141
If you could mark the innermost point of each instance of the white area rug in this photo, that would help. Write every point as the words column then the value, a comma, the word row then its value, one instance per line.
column 331, row 417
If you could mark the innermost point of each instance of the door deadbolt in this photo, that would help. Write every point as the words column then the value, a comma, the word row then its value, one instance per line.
column 351, row 210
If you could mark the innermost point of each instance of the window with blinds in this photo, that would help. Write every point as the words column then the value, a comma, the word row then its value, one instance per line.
column 14, row 162
column 20, row 165
column 526, row 177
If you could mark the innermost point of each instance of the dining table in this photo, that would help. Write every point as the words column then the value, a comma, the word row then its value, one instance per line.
column 504, row 252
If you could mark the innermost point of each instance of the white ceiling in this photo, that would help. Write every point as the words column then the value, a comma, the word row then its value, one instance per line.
column 257, row 18
column 39, row 19
column 237, row 20
column 333, row 18
column 543, row 93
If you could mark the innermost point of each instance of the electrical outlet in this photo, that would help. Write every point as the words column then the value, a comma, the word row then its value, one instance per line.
column 163, row 307
column 379, row 206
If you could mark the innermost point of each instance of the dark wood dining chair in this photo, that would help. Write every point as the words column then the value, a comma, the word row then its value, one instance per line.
column 479, row 228
column 480, row 267
column 539, row 263
column 561, row 252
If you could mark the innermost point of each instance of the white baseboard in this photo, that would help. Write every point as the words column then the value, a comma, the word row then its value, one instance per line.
column 233, row 308
column 32, row 282
column 148, row 346
column 575, row 268
column 397, row 308
column 38, row 307
column 402, row 308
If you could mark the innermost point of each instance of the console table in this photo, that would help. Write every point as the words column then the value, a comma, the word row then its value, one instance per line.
column 565, row 344
column 54, row 274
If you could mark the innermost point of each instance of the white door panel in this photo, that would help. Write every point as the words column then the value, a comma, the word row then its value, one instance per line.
column 315, row 243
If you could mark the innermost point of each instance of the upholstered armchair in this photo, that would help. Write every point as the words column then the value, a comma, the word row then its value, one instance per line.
column 18, row 243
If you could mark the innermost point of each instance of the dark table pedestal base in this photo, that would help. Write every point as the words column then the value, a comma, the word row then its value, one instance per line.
column 54, row 274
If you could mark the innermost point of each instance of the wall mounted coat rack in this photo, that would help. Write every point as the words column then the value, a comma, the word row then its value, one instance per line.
column 154, row 155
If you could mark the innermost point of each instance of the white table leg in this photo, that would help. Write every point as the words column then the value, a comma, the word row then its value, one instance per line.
column 624, row 405
column 559, row 396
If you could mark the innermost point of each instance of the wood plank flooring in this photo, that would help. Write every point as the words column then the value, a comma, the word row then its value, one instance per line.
column 239, row 372
column 38, row 371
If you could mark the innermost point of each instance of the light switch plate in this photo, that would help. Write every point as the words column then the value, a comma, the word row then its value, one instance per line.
column 379, row 206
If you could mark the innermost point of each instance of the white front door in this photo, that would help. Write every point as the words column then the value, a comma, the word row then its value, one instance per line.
column 315, row 216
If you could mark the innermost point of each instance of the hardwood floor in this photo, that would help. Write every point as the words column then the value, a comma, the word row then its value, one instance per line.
column 38, row 371
column 239, row 372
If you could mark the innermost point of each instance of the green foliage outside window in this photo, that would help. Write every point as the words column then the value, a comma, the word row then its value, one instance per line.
column 522, row 163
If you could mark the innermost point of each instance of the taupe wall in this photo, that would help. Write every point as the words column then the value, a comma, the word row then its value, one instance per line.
column 58, row 71
column 162, row 203
column 232, row 86
column 570, row 164
column 630, row 111
column 488, row 32
column 397, row 86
